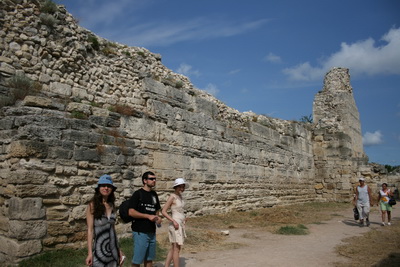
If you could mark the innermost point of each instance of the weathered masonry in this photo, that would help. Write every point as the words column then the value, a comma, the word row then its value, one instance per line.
column 75, row 106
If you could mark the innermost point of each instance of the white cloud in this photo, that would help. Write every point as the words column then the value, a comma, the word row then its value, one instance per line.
column 163, row 33
column 271, row 57
column 370, row 139
column 187, row 70
column 232, row 72
column 362, row 57
column 95, row 13
column 212, row 89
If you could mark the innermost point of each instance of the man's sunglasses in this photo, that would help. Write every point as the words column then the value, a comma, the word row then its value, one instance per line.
column 151, row 179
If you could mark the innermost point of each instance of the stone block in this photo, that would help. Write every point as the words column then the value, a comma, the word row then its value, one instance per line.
column 76, row 135
column 4, row 224
column 59, row 153
column 319, row 186
column 79, row 212
column 78, row 180
column 100, row 112
column 15, row 248
column 21, row 176
column 80, row 125
column 58, row 228
column 60, row 88
column 73, row 106
column 37, row 164
column 27, row 148
column 71, row 199
column 27, row 230
column 6, row 123
column 36, row 190
column 43, row 102
column 57, row 213
column 84, row 154
column 78, row 236
column 51, row 241
column 26, row 209
column 82, row 94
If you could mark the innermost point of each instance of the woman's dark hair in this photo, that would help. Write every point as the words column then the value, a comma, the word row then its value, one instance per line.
column 98, row 207
column 384, row 184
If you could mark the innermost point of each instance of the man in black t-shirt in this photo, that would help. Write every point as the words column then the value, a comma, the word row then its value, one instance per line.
column 144, row 207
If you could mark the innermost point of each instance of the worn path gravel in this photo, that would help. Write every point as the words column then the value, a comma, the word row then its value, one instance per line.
column 265, row 249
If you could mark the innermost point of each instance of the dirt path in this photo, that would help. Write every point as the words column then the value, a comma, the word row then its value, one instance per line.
column 265, row 249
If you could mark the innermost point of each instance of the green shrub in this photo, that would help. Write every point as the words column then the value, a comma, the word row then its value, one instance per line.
column 48, row 20
column 140, row 53
column 108, row 50
column 307, row 119
column 300, row 229
column 49, row 7
column 20, row 86
column 179, row 84
column 78, row 115
column 94, row 42
column 6, row 101
column 64, row 257
column 94, row 104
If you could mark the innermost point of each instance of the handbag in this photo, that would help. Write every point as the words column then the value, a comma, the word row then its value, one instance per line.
column 392, row 202
column 356, row 214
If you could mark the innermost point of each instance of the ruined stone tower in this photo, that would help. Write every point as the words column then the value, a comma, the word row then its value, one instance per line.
column 338, row 149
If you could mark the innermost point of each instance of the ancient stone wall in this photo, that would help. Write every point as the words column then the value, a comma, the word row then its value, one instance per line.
column 92, row 107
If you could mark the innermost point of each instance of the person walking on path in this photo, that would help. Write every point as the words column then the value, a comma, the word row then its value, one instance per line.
column 102, row 240
column 144, row 207
column 383, row 202
column 176, row 229
column 363, row 200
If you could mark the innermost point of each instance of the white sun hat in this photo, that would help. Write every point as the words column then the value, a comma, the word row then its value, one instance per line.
column 179, row 181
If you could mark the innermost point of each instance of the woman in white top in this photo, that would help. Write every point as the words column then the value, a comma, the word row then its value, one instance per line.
column 383, row 200
column 176, row 229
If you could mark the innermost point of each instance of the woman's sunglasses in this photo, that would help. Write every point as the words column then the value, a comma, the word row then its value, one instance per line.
column 106, row 185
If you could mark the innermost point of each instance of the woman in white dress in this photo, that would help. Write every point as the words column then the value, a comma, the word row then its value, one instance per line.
column 176, row 228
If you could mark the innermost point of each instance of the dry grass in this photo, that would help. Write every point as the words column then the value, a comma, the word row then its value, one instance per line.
column 375, row 248
column 380, row 247
column 200, row 240
column 271, row 219
column 204, row 233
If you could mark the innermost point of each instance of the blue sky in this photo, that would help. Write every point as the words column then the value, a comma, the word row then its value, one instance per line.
column 270, row 56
